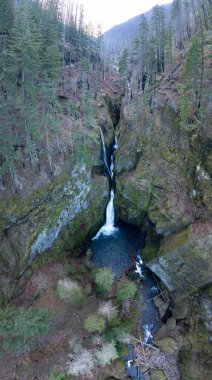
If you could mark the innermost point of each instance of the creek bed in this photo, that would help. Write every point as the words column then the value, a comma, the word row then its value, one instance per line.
column 119, row 250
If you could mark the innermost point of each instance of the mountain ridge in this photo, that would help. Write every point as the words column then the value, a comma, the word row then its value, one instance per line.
column 122, row 35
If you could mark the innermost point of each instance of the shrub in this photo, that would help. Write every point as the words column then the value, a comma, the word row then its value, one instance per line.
column 82, row 269
column 57, row 374
column 107, row 353
column 114, row 333
column 125, row 290
column 114, row 322
column 108, row 310
column 22, row 328
column 103, row 278
column 69, row 269
column 78, row 277
column 93, row 323
column 70, row 291
column 81, row 364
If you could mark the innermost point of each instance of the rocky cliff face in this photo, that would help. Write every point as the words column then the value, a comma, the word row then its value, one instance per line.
column 162, row 175
column 163, row 183
column 55, row 214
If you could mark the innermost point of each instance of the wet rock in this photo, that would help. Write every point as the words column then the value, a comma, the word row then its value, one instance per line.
column 158, row 301
column 163, row 309
column 161, row 305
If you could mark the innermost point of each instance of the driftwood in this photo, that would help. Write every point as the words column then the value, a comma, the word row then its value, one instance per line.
column 150, row 356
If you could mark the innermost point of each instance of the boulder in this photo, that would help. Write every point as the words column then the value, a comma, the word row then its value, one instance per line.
column 168, row 345
column 171, row 323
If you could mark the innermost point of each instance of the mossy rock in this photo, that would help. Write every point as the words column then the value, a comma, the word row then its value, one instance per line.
column 171, row 323
column 152, row 172
column 167, row 345
column 158, row 375
column 184, row 262
column 73, row 211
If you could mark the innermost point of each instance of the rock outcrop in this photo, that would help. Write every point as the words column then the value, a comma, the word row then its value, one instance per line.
column 163, row 185
column 53, row 214
column 163, row 176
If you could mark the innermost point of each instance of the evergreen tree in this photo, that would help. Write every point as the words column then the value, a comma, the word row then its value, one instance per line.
column 6, row 21
column 23, row 66
column 143, row 45
column 50, row 69
column 122, row 68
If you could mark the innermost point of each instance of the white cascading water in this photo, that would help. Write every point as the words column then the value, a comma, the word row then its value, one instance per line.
column 110, row 214
column 108, row 227
column 104, row 151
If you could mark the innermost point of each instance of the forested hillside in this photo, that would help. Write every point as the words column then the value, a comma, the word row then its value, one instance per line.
column 165, row 42
column 41, row 43
column 123, row 35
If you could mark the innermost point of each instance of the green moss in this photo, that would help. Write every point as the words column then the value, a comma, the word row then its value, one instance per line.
column 177, row 240
column 150, row 252
column 195, row 355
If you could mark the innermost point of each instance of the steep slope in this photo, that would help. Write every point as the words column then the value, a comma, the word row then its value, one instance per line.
column 123, row 35
column 164, row 185
column 51, row 214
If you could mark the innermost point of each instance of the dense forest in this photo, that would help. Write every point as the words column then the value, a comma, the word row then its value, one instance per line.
column 38, row 40
column 163, row 41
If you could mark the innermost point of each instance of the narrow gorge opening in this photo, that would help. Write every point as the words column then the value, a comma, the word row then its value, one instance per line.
column 118, row 246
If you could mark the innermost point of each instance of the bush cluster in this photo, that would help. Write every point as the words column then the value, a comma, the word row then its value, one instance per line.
column 21, row 328
column 103, row 278
column 93, row 323
column 70, row 291
column 126, row 290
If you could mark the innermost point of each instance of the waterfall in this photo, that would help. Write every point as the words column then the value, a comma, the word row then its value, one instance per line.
column 110, row 214
column 108, row 227
column 104, row 151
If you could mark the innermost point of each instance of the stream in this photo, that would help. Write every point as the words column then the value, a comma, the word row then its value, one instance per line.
column 119, row 246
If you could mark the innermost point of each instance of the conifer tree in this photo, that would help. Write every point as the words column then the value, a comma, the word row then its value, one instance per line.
column 122, row 67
